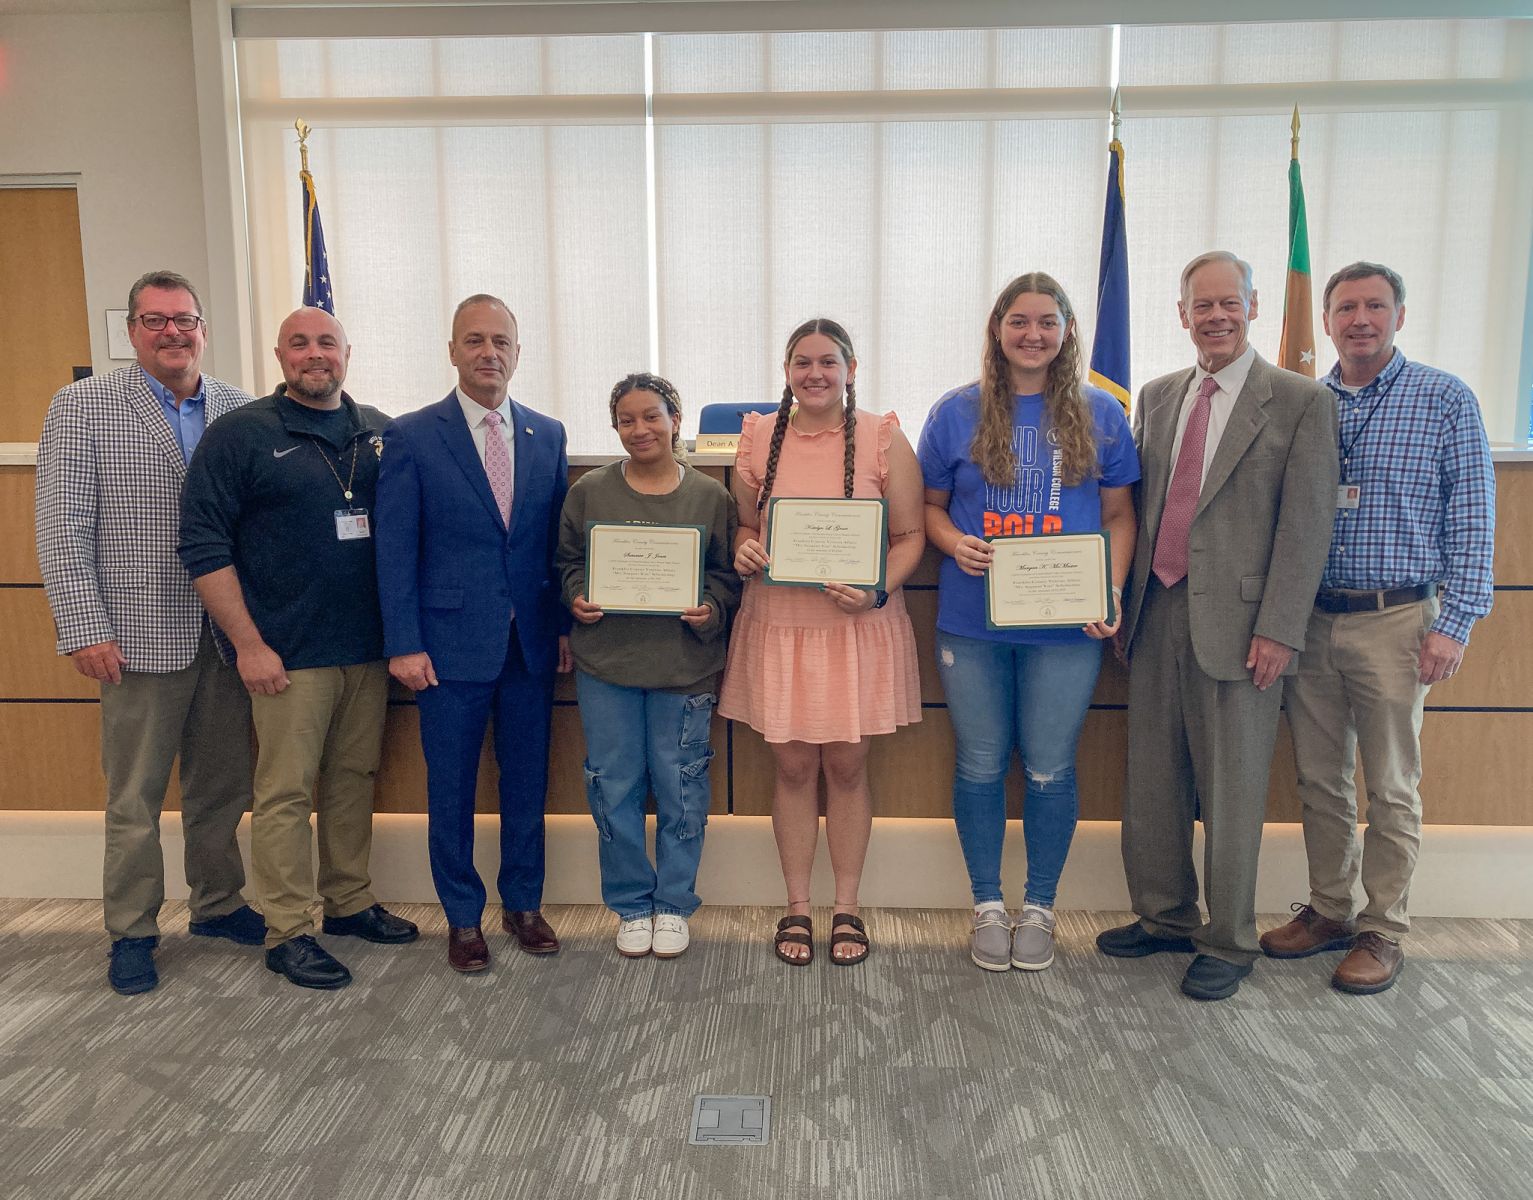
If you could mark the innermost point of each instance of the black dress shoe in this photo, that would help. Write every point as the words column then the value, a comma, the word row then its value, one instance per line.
column 1210, row 978
column 532, row 933
column 131, row 969
column 244, row 925
column 375, row 924
column 308, row 964
column 1135, row 941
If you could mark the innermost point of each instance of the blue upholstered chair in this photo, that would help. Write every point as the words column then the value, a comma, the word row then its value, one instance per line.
column 727, row 418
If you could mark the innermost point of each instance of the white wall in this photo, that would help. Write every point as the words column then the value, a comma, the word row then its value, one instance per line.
column 110, row 97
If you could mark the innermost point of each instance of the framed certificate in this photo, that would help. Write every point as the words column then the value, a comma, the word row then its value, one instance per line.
column 814, row 542
column 646, row 569
column 1052, row 581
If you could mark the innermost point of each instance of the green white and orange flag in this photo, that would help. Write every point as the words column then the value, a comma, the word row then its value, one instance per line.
column 1296, row 349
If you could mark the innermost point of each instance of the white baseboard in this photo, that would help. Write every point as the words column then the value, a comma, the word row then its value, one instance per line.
column 1463, row 870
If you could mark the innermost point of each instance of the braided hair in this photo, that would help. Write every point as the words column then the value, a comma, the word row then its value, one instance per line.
column 643, row 381
column 843, row 341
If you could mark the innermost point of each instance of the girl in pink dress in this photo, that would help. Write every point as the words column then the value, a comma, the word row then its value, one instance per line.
column 818, row 671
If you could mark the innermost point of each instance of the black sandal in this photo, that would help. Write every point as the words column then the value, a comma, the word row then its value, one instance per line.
column 786, row 936
column 859, row 938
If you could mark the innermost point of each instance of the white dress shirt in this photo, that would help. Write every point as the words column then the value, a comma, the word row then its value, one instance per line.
column 1231, row 379
column 474, row 413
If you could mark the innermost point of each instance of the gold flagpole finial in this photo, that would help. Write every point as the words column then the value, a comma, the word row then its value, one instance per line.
column 1295, row 128
column 1117, row 112
column 304, row 129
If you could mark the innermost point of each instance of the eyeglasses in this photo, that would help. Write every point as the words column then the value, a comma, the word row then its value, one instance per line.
column 154, row 322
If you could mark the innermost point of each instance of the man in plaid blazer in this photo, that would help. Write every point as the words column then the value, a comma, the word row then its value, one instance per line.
column 110, row 465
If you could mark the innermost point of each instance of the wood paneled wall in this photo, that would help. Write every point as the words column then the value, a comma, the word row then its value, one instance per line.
column 42, row 305
column 1478, row 730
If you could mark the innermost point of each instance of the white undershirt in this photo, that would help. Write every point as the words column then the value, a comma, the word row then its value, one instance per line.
column 1231, row 379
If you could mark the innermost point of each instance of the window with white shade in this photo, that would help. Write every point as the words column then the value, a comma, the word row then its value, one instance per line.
column 678, row 202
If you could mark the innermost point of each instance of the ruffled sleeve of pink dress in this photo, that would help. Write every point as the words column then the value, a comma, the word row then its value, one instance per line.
column 800, row 669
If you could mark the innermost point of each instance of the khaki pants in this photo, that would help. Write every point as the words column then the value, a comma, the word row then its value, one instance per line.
column 318, row 746
column 202, row 714
column 1358, row 688
column 1199, row 749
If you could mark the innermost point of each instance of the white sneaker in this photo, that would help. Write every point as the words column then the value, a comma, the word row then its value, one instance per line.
column 671, row 936
column 635, row 937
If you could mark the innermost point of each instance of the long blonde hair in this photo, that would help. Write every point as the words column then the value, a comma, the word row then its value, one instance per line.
column 1069, row 416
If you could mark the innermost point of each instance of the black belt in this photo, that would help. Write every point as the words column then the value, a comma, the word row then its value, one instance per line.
column 1332, row 601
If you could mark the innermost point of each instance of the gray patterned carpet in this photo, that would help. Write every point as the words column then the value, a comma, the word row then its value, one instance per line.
column 915, row 1075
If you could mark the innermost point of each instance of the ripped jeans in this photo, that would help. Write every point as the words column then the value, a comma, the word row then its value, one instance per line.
column 640, row 741
column 1000, row 695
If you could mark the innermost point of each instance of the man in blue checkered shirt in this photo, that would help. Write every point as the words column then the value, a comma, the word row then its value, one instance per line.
column 1408, row 574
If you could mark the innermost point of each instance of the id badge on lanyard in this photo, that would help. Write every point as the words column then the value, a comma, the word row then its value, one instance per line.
column 351, row 524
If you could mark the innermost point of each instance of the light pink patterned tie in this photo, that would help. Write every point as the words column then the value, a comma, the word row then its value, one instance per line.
column 497, row 465
column 1170, row 561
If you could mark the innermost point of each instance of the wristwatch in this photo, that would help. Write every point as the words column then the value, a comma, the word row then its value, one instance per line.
column 880, row 598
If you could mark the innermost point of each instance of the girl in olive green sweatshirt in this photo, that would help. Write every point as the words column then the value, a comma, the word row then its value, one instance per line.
column 647, row 683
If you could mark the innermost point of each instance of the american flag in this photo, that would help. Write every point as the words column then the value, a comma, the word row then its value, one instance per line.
column 317, row 292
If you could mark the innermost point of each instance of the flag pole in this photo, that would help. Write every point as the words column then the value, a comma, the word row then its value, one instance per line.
column 1109, row 368
column 1296, row 345
column 317, row 289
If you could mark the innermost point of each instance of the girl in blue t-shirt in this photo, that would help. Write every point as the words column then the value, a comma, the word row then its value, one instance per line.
column 1026, row 450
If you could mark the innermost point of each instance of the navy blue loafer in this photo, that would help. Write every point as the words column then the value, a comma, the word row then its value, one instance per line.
column 131, row 970
column 244, row 925
column 1210, row 978
column 375, row 924
column 1135, row 941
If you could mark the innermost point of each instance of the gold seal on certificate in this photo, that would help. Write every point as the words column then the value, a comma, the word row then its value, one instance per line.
column 1050, row 581
column 813, row 542
column 646, row 569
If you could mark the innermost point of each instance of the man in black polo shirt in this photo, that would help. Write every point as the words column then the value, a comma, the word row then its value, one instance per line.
column 276, row 534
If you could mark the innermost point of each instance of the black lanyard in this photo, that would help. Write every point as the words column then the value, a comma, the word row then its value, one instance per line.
column 1348, row 447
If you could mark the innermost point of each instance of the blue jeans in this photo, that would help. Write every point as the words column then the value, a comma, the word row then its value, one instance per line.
column 640, row 741
column 1001, row 695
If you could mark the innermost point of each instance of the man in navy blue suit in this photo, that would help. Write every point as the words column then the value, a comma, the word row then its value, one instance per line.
column 469, row 493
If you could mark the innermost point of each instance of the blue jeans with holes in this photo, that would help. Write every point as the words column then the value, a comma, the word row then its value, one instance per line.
column 641, row 741
column 1001, row 695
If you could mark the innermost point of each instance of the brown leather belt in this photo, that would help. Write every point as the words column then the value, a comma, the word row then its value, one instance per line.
column 1350, row 602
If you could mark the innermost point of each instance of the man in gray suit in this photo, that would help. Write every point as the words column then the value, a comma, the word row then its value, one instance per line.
column 110, row 465
column 1235, row 513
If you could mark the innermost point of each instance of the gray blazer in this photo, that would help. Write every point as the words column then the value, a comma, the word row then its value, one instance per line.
column 109, row 475
column 1262, row 529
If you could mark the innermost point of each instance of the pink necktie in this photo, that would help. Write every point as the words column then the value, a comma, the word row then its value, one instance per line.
column 497, row 465
column 1170, row 561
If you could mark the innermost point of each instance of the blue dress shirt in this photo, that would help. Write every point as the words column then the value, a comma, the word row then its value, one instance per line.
column 1413, row 440
column 187, row 420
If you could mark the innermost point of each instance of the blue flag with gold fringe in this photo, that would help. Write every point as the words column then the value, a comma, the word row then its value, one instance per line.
column 1110, row 344
column 317, row 292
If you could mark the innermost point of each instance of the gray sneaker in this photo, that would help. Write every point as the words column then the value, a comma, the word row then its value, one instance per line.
column 1032, row 940
column 990, row 946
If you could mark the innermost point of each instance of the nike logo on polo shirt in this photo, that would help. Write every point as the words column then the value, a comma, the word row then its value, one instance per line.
column 283, row 453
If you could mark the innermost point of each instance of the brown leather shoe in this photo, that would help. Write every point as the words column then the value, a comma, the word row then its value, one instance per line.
column 466, row 950
column 1308, row 933
column 530, row 930
column 1372, row 966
